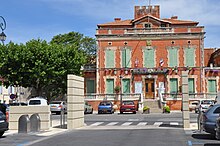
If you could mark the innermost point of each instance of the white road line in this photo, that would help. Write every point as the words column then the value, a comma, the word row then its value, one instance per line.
column 112, row 123
column 174, row 123
column 158, row 123
column 142, row 124
column 96, row 124
column 126, row 124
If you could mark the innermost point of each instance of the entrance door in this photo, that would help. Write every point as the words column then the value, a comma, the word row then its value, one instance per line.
column 149, row 88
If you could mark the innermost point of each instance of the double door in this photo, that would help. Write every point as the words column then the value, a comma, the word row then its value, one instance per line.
column 149, row 88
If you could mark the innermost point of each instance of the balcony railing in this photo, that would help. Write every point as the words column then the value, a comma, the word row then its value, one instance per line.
column 149, row 31
column 192, row 96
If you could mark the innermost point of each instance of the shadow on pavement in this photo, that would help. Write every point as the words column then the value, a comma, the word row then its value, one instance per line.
column 61, row 126
column 212, row 144
column 204, row 136
column 168, row 125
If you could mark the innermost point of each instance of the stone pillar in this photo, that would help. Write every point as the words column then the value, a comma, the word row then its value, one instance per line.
column 185, row 100
column 75, row 102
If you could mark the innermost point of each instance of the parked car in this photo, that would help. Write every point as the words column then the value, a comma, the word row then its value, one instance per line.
column 192, row 105
column 3, row 124
column 203, row 105
column 127, row 106
column 58, row 106
column 88, row 108
column 105, row 107
column 208, row 121
column 37, row 101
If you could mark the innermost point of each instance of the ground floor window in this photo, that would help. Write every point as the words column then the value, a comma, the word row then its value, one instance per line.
column 191, row 85
column 126, row 86
column 212, row 86
column 90, row 86
column 110, row 86
column 173, row 85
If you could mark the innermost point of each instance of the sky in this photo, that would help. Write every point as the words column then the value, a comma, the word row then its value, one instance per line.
column 43, row 19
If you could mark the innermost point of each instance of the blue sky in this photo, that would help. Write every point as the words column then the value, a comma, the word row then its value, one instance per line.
column 32, row 19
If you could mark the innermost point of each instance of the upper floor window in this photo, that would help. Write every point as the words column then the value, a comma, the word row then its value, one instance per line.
column 173, row 57
column 173, row 85
column 90, row 86
column 189, row 57
column 149, row 58
column 212, row 86
column 109, row 58
column 147, row 25
column 126, row 57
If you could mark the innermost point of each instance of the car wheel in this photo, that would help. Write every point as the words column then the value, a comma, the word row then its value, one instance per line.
column 121, row 112
column 134, row 112
column 1, row 133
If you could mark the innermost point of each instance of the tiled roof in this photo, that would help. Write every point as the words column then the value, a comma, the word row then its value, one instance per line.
column 117, row 23
column 176, row 21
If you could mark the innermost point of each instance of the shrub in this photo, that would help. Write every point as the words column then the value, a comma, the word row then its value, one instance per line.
column 166, row 109
column 146, row 108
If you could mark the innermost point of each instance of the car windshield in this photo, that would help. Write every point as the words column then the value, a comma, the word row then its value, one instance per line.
column 34, row 102
column 105, row 103
column 128, row 103
column 206, row 102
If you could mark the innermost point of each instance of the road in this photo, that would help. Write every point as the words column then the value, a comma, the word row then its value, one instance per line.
column 120, row 130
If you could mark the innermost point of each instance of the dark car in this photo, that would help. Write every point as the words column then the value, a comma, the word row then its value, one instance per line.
column 127, row 106
column 105, row 107
column 208, row 121
column 3, row 124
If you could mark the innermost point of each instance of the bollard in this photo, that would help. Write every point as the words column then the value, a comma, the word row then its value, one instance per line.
column 35, row 123
column 24, row 124
column 217, row 129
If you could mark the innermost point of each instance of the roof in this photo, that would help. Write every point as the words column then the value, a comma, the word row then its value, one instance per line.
column 176, row 21
column 117, row 23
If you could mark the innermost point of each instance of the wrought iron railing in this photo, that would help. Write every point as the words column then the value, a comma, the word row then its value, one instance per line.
column 191, row 95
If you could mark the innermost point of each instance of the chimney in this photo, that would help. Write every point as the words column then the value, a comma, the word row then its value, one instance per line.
column 117, row 19
column 174, row 17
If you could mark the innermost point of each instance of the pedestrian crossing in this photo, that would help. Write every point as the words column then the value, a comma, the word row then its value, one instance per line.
column 135, row 123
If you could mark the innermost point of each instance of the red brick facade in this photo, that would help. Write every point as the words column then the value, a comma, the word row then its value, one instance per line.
column 148, row 32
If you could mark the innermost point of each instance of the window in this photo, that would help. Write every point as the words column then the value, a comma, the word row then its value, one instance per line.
column 110, row 86
column 126, row 57
column 149, row 58
column 109, row 58
column 217, row 110
column 90, row 86
column 212, row 86
column 173, row 85
column 147, row 25
column 191, row 85
column 189, row 57
column 173, row 58
column 126, row 86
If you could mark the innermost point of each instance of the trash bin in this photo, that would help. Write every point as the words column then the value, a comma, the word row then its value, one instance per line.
column 35, row 123
column 24, row 124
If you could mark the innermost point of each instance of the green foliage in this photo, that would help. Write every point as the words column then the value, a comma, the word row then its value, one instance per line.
column 166, row 109
column 117, row 89
column 40, row 65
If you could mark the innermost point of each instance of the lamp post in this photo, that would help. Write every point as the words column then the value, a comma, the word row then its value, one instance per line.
column 3, row 27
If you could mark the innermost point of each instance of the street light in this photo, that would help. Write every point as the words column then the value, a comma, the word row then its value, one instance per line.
column 3, row 27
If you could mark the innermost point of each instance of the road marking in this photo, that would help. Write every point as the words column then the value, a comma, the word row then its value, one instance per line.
column 97, row 123
column 174, row 123
column 158, row 123
column 133, row 119
column 112, row 123
column 126, row 124
column 142, row 124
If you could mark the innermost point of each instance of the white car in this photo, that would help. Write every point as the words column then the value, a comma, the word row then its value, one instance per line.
column 58, row 106
column 204, row 105
column 37, row 101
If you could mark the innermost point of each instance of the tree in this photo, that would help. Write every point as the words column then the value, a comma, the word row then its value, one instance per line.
column 40, row 65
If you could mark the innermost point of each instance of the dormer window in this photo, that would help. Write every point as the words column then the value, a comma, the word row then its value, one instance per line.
column 147, row 25
column 163, row 25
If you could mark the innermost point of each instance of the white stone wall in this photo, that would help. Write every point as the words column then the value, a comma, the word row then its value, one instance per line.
column 75, row 102
column 16, row 112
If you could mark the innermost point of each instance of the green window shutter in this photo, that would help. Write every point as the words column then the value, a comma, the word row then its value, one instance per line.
column 173, row 60
column 149, row 58
column 191, row 85
column 90, row 86
column 126, row 86
column 212, row 86
column 126, row 57
column 189, row 56
column 109, row 58
column 110, row 86
column 173, row 85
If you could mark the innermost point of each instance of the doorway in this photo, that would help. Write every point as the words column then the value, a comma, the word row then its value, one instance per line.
column 149, row 88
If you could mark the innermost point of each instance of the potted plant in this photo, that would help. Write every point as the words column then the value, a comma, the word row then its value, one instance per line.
column 117, row 89
column 166, row 109
column 146, row 110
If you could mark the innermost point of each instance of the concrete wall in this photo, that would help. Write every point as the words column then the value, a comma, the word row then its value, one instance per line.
column 75, row 100
column 17, row 111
